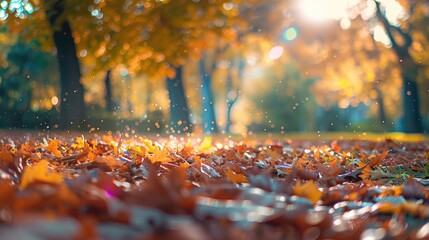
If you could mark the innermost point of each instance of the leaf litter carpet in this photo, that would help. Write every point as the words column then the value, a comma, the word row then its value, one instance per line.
column 113, row 187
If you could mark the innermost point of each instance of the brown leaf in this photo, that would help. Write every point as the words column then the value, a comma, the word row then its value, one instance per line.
column 110, row 161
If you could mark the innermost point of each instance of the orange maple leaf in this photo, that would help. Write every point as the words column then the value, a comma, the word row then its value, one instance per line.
column 308, row 190
column 25, row 150
column 92, row 156
column 160, row 156
column 52, row 148
column 366, row 171
column 39, row 173
column 235, row 177
column 376, row 160
column 333, row 170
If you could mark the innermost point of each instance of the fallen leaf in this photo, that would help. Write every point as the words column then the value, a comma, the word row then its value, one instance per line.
column 80, row 143
column 160, row 156
column 206, row 144
column 186, row 151
column 149, row 145
column 52, row 148
column 333, row 170
column 236, row 177
column 393, row 191
column 110, row 161
column 39, row 173
column 6, row 155
column 308, row 190
column 25, row 150
column 379, row 173
column 92, row 156
column 377, row 159
column 366, row 171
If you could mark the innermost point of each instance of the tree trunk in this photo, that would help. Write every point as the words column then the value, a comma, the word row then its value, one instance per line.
column 381, row 109
column 72, row 101
column 411, row 120
column 209, row 116
column 179, row 110
column 108, row 96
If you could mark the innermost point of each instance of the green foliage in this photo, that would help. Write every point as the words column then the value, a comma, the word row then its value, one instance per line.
column 294, row 103
column 27, row 69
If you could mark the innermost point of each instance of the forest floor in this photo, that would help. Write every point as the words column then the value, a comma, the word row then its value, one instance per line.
column 110, row 186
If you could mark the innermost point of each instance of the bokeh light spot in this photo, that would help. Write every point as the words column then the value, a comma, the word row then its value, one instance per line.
column 275, row 52
column 290, row 34
column 83, row 53
column 54, row 100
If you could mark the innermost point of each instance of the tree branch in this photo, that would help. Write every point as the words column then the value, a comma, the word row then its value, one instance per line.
column 407, row 37
column 388, row 28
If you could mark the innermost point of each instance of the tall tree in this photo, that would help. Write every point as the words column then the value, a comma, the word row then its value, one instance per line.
column 71, row 99
column 29, row 19
column 179, row 122
column 108, row 91
column 411, row 119
column 209, row 117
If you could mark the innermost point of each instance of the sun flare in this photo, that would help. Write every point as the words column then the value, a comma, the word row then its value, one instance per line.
column 320, row 10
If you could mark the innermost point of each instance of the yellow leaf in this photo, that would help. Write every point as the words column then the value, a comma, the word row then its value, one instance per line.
column 52, row 148
column 150, row 147
column 137, row 150
column 308, row 190
column 39, row 173
column 80, row 143
column 234, row 177
column 206, row 144
column 159, row 156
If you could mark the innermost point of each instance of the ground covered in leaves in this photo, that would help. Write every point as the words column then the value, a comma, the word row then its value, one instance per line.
column 116, row 187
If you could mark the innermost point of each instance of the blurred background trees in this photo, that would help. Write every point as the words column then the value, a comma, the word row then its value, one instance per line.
column 208, row 67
